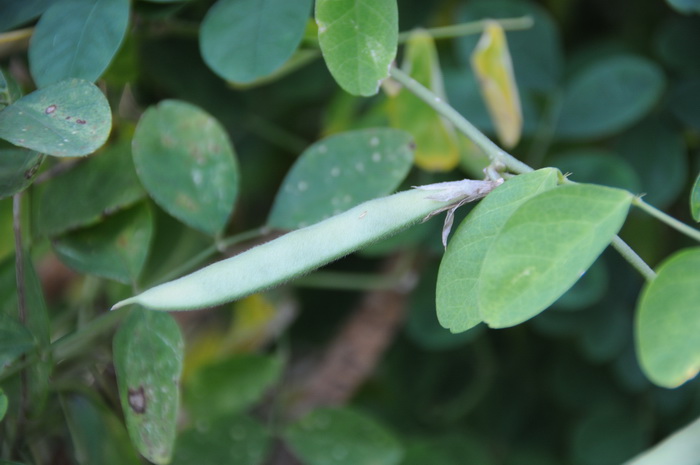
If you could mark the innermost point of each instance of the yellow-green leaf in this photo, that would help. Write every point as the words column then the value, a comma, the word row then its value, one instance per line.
column 436, row 140
column 494, row 69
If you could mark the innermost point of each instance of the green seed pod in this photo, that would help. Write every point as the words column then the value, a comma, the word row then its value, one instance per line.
column 306, row 249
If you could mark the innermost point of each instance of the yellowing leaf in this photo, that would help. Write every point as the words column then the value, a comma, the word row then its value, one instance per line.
column 436, row 140
column 494, row 69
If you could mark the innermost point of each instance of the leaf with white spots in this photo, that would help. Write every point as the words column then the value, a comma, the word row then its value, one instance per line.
column 68, row 119
column 186, row 162
column 339, row 172
column 148, row 353
column 358, row 39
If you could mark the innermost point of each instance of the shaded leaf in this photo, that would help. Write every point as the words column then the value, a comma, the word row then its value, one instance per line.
column 15, row 340
column 675, row 41
column 230, row 386
column 95, row 188
column 668, row 321
column 685, row 6
column 77, row 39
column 237, row 439
column 358, row 39
column 3, row 404
column 17, row 13
column 684, row 101
column 185, row 160
column 18, row 167
column 609, row 95
column 461, row 267
column 339, row 172
column 494, row 70
column 98, row 436
column 148, row 353
column 10, row 91
column 67, row 119
column 436, row 141
column 342, row 436
column 545, row 247
column 245, row 40
column 695, row 200
column 116, row 248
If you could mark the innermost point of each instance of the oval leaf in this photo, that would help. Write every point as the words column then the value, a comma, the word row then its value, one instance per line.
column 245, row 40
column 77, row 39
column 185, row 160
column 17, row 13
column 18, row 167
column 460, row 269
column 494, row 69
column 695, row 200
column 358, row 39
column 609, row 95
column 237, row 439
column 83, row 196
column 668, row 321
column 148, row 353
column 114, row 249
column 340, row 172
column 342, row 437
column 545, row 247
column 68, row 119
column 436, row 141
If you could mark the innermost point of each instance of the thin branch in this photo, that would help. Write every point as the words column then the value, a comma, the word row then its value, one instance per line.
column 472, row 27
column 635, row 260
column 665, row 218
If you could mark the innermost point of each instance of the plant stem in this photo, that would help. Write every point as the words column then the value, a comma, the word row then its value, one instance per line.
column 631, row 256
column 472, row 27
column 494, row 152
column 665, row 218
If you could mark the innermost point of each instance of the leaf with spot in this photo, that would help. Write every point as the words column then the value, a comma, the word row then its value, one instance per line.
column 97, row 434
column 186, row 162
column 609, row 95
column 358, row 39
column 344, row 437
column 234, row 439
column 339, row 172
column 668, row 321
column 246, row 40
column 436, row 141
column 115, row 249
column 230, row 386
column 77, row 39
column 493, row 67
column 148, row 353
column 695, row 200
column 460, row 269
column 545, row 247
column 68, row 119
column 95, row 188
column 18, row 168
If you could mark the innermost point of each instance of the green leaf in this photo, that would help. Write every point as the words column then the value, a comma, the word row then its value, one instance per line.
column 436, row 141
column 115, row 249
column 148, row 353
column 545, row 247
column 684, row 101
column 609, row 95
column 186, row 162
column 358, row 39
column 77, row 39
column 230, row 386
column 18, row 167
column 668, row 321
column 695, row 200
column 245, row 40
column 98, row 436
column 10, row 91
column 68, row 119
column 3, row 404
column 674, row 44
column 461, row 267
column 236, row 439
column 685, row 6
column 17, row 13
column 340, row 172
column 656, row 149
column 342, row 437
column 97, row 187
column 15, row 340
column 588, row 290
